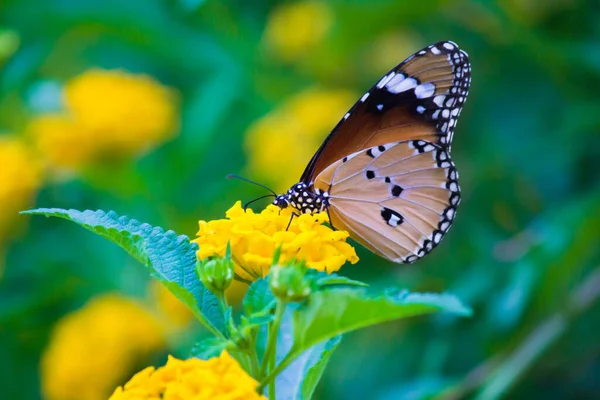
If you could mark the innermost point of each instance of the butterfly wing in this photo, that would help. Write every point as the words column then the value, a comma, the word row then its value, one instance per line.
column 387, row 166
column 397, row 199
column 421, row 98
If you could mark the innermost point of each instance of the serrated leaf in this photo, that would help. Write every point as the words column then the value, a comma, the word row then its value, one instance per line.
column 333, row 312
column 170, row 258
column 260, row 319
column 208, row 348
column 258, row 298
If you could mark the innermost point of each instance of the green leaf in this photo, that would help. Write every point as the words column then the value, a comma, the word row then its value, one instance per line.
column 318, row 357
column 208, row 348
column 333, row 312
column 258, row 298
column 170, row 258
column 336, row 280
column 299, row 380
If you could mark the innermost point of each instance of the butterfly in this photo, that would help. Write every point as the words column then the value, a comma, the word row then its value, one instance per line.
column 384, row 173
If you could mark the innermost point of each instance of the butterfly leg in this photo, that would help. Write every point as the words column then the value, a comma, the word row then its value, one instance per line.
column 290, row 223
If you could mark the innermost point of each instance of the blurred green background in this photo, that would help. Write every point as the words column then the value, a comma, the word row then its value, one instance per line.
column 235, row 83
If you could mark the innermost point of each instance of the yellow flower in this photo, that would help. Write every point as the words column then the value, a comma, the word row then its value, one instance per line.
column 108, row 114
column 294, row 29
column 93, row 349
column 280, row 144
column 386, row 51
column 220, row 378
column 20, row 179
column 255, row 237
column 61, row 142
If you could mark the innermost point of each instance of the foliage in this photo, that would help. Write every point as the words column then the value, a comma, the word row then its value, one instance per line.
column 320, row 316
column 523, row 250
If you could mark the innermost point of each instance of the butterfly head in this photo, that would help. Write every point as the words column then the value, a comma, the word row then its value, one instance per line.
column 282, row 201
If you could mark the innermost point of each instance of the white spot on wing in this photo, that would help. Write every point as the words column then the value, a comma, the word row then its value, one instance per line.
column 396, row 79
column 420, row 109
column 403, row 86
column 393, row 221
column 385, row 80
column 365, row 97
column 439, row 100
column 424, row 90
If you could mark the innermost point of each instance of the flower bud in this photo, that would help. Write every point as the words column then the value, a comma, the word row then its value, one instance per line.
column 216, row 273
column 289, row 282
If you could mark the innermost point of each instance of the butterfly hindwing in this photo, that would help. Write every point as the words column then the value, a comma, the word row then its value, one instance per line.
column 420, row 99
column 397, row 199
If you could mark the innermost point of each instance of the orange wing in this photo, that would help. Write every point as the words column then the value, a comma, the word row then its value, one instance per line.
column 397, row 199
column 420, row 99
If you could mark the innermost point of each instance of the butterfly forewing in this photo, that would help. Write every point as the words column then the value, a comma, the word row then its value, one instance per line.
column 421, row 98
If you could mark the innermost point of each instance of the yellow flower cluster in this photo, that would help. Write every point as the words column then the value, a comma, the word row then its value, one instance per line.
column 108, row 114
column 255, row 237
column 280, row 144
column 220, row 378
column 20, row 179
column 93, row 349
column 294, row 29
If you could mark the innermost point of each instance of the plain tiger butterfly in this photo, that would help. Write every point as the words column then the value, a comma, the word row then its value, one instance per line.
column 384, row 173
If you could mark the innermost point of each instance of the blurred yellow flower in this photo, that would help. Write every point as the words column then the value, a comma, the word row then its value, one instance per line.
column 294, row 29
column 108, row 114
column 388, row 50
column 61, row 142
column 20, row 179
column 255, row 237
column 281, row 144
column 171, row 309
column 220, row 378
column 93, row 349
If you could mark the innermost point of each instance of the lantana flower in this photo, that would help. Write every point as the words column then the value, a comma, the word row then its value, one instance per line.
column 220, row 378
column 254, row 237
column 107, row 113
column 294, row 29
column 94, row 348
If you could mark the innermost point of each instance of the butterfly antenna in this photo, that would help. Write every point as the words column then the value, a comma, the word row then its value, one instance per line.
column 230, row 176
column 259, row 198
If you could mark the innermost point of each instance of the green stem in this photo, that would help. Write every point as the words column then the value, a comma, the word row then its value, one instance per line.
column 272, row 391
column 243, row 358
column 271, row 350
column 254, row 366
column 267, row 380
column 220, row 294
